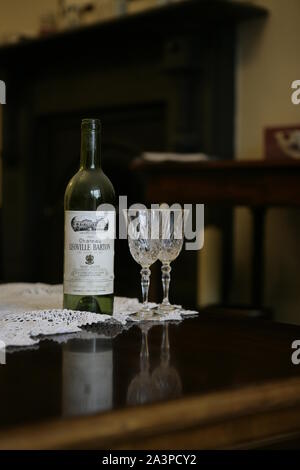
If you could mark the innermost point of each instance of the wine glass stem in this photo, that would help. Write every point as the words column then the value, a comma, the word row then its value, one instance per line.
column 145, row 282
column 165, row 345
column 166, row 277
column 144, row 356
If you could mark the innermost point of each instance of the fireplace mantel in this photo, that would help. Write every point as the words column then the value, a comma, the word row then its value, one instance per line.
column 186, row 17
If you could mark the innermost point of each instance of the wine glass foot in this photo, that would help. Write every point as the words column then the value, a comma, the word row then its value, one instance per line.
column 165, row 309
column 140, row 315
column 146, row 315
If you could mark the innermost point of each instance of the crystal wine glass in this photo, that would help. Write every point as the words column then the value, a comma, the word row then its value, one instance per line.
column 144, row 246
column 171, row 242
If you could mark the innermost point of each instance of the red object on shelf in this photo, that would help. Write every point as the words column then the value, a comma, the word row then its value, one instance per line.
column 282, row 142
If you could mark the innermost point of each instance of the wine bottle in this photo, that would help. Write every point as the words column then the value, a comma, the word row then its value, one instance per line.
column 89, row 230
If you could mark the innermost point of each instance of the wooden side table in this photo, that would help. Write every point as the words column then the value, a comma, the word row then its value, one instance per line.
column 259, row 184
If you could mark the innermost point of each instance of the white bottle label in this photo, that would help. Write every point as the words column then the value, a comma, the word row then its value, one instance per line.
column 89, row 252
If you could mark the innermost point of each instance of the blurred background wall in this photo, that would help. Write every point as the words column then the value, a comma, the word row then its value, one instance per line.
column 23, row 15
column 267, row 63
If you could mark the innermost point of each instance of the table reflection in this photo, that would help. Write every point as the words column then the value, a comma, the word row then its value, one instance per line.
column 142, row 388
column 90, row 372
column 87, row 373
column 166, row 377
column 164, row 382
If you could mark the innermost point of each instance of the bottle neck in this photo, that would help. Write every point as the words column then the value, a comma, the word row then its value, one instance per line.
column 90, row 158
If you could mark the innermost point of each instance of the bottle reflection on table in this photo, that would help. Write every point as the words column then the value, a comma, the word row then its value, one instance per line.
column 164, row 383
column 87, row 385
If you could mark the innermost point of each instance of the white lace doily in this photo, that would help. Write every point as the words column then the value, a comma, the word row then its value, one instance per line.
column 29, row 311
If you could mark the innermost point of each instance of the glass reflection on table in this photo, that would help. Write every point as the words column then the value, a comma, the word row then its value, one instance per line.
column 166, row 377
column 164, row 382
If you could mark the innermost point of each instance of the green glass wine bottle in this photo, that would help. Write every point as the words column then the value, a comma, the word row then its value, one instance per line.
column 89, row 230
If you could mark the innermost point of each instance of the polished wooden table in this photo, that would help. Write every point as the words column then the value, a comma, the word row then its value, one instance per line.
column 213, row 381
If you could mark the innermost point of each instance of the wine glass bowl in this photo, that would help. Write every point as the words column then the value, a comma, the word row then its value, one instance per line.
column 144, row 246
column 144, row 252
column 171, row 243
column 169, row 250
